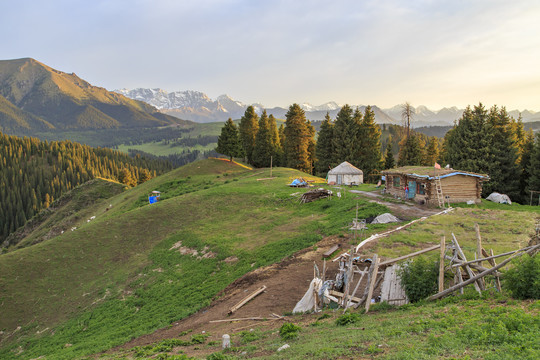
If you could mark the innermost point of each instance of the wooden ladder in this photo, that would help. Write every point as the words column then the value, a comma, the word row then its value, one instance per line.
column 438, row 189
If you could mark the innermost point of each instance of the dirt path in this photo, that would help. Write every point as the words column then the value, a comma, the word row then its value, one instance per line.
column 404, row 210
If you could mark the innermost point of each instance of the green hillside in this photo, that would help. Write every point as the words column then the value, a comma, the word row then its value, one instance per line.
column 119, row 275
column 14, row 120
column 64, row 101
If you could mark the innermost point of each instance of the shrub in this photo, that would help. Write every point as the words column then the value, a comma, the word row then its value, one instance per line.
column 289, row 331
column 523, row 280
column 348, row 318
column 219, row 356
column 419, row 278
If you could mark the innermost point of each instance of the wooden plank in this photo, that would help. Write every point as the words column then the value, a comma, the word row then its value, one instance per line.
column 441, row 264
column 340, row 295
column 330, row 251
column 246, row 299
column 350, row 275
column 240, row 319
column 372, row 283
column 388, row 262
column 479, row 252
column 481, row 275
column 486, row 258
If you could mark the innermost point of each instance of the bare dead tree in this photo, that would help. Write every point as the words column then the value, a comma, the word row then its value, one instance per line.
column 407, row 114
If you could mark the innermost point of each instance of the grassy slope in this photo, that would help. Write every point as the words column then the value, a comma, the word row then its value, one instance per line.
column 115, row 277
column 73, row 209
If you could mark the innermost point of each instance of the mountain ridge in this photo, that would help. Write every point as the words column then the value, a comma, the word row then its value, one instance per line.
column 55, row 100
column 199, row 107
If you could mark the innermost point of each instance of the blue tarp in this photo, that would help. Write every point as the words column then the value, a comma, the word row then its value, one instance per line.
column 153, row 199
column 298, row 182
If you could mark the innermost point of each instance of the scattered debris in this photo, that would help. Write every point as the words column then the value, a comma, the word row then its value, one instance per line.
column 315, row 194
column 286, row 346
column 299, row 182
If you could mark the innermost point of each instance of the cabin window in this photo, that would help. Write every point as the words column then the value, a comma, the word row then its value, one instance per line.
column 420, row 188
column 396, row 180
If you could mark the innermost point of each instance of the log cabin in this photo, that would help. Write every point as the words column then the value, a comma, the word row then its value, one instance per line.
column 456, row 185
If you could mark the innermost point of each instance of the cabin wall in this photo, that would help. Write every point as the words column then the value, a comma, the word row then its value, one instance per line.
column 346, row 179
column 459, row 188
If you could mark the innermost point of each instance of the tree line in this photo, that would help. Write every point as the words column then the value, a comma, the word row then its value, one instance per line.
column 33, row 173
column 482, row 141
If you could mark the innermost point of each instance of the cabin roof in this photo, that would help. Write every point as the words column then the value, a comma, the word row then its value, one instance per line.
column 429, row 172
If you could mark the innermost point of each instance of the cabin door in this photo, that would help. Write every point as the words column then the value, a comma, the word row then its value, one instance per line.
column 412, row 189
column 339, row 179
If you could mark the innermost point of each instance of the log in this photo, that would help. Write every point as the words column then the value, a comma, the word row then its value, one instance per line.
column 372, row 283
column 481, row 275
column 477, row 284
column 240, row 319
column 441, row 264
column 389, row 262
column 246, row 299
column 487, row 258
column 479, row 252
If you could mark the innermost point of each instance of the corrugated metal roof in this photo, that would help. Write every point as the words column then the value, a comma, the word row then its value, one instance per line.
column 345, row 168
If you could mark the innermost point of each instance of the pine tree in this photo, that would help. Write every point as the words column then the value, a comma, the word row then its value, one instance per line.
column 229, row 140
column 410, row 151
column 264, row 148
column 524, row 167
column 248, row 131
column 368, row 144
column 297, row 137
column 502, row 161
column 277, row 147
column 534, row 167
column 346, row 129
column 389, row 162
column 324, row 148
column 432, row 152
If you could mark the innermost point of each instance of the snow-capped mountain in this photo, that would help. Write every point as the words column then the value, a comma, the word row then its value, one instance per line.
column 197, row 106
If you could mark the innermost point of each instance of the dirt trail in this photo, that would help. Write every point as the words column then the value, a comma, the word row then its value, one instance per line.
column 286, row 283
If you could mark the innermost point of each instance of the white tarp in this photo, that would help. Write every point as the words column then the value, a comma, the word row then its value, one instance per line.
column 385, row 219
column 307, row 303
column 499, row 198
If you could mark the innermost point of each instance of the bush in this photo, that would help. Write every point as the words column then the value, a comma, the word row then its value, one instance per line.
column 348, row 318
column 289, row 331
column 523, row 280
column 420, row 278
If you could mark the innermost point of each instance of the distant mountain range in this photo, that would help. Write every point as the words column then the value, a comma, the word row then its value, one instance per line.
column 35, row 97
column 197, row 106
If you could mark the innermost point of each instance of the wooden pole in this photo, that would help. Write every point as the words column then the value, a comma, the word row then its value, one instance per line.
column 481, row 275
column 270, row 166
column 467, row 268
column 492, row 262
column 441, row 264
column 246, row 299
column 490, row 257
column 479, row 252
column 389, row 262
column 372, row 283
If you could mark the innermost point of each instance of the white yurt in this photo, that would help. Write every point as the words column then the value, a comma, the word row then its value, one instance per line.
column 345, row 174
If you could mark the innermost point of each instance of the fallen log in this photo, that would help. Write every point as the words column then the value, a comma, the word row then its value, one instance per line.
column 389, row 262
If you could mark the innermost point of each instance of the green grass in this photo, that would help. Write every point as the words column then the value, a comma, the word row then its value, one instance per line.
column 465, row 327
column 119, row 276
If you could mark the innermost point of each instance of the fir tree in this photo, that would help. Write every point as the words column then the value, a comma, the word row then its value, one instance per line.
column 297, row 139
column 389, row 162
column 534, row 167
column 277, row 147
column 229, row 140
column 248, row 131
column 368, row 144
column 432, row 152
column 324, row 148
column 346, row 129
column 264, row 148
column 525, row 167
column 410, row 151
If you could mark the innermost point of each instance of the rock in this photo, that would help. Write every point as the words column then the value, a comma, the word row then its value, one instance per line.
column 286, row 346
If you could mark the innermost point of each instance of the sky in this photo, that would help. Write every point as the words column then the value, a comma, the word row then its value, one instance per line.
column 384, row 53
